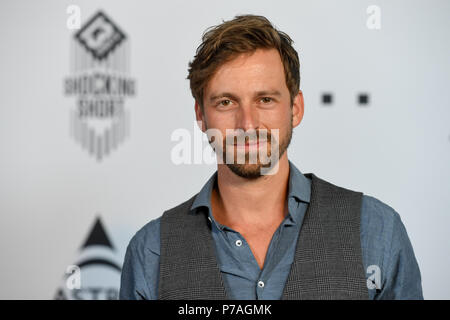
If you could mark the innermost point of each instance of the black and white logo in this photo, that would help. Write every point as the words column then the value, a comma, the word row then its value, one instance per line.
column 100, row 81
column 96, row 273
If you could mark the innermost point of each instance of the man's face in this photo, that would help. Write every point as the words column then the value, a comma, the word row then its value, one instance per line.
column 248, row 97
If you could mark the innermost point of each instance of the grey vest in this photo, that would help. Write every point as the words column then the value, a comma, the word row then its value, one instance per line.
column 327, row 262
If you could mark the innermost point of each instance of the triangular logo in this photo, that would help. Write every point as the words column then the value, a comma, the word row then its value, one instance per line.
column 96, row 273
column 97, row 236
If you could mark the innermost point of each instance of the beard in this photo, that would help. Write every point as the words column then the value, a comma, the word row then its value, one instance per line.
column 253, row 169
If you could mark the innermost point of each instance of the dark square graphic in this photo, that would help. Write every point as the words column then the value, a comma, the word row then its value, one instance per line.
column 363, row 98
column 327, row 98
column 100, row 36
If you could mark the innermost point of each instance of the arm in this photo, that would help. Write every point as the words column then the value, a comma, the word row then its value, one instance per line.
column 403, row 279
column 140, row 271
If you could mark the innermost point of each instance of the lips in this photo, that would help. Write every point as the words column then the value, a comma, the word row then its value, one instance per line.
column 247, row 143
column 251, row 144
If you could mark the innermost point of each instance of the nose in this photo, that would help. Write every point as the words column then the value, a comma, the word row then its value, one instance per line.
column 247, row 117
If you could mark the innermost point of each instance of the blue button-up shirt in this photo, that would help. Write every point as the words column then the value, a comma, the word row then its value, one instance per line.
column 386, row 250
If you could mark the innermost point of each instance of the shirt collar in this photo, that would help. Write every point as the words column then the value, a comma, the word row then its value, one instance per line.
column 299, row 185
column 203, row 198
column 299, row 189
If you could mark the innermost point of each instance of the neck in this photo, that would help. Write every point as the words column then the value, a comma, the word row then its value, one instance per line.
column 251, row 202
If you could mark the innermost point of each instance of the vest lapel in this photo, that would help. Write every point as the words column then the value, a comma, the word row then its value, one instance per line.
column 188, row 265
column 328, row 260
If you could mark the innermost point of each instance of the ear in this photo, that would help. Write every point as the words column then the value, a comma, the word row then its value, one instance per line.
column 297, row 109
column 199, row 116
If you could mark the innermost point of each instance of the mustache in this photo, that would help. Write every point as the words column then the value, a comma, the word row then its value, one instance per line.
column 247, row 138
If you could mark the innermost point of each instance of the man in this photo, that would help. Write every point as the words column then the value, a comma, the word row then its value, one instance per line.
column 276, row 233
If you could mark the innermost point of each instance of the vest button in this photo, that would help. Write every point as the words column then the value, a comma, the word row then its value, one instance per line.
column 239, row 243
column 261, row 284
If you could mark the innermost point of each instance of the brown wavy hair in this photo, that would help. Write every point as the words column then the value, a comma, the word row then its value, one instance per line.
column 243, row 34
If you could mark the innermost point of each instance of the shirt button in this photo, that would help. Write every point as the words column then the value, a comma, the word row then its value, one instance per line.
column 239, row 243
column 261, row 284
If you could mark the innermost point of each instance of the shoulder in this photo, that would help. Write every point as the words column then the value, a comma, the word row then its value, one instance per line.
column 383, row 224
column 147, row 237
column 378, row 214
column 182, row 207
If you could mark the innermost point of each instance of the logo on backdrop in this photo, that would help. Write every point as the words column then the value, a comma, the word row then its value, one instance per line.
column 96, row 274
column 100, row 66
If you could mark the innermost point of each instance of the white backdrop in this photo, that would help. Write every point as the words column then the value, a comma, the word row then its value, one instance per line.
column 397, row 148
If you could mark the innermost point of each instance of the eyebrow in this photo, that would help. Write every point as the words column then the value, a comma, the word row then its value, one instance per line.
column 234, row 97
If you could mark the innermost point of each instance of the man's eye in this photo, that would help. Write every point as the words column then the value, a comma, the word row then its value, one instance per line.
column 225, row 103
column 266, row 99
